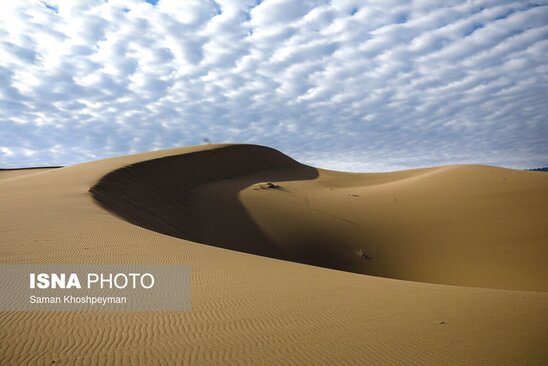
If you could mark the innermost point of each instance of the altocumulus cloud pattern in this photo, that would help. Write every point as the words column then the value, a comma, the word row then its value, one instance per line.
column 349, row 85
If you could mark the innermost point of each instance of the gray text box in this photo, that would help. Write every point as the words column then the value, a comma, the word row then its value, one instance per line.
column 95, row 287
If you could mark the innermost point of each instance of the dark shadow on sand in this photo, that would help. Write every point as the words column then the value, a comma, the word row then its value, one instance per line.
column 159, row 195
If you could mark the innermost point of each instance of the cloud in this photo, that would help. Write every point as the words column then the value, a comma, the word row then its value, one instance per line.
column 340, row 84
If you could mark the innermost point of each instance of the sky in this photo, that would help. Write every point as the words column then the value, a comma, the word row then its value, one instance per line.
column 375, row 85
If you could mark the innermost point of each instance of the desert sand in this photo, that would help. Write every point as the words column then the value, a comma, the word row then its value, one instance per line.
column 291, row 265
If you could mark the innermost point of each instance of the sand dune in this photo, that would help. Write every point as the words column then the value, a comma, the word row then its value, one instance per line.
column 477, row 226
column 465, row 225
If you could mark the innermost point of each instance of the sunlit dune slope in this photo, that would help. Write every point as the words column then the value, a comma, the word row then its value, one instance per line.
column 466, row 225
column 15, row 173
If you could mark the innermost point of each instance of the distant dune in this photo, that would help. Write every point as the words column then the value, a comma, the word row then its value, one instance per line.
column 399, row 243
column 18, row 172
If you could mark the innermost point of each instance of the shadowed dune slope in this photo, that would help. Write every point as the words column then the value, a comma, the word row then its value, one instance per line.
column 465, row 225
column 158, row 194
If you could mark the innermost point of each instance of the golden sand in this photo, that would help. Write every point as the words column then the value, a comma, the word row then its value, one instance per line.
column 291, row 265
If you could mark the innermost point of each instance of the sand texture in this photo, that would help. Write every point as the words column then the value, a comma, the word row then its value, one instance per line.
column 291, row 265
